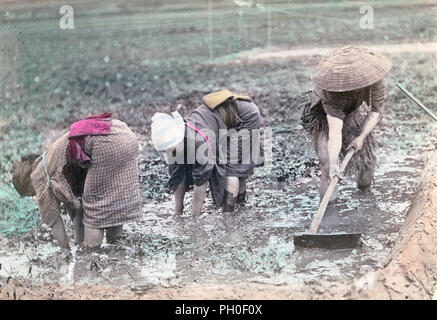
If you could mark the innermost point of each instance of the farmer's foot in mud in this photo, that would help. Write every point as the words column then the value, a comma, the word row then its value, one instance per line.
column 365, row 178
column 113, row 234
column 93, row 239
column 231, row 193
column 333, row 202
column 229, row 202
column 364, row 187
column 241, row 199
column 113, row 240
column 89, row 249
column 365, row 181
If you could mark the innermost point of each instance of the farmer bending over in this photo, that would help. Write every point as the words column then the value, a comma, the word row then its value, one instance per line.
column 349, row 83
column 192, row 148
column 242, row 119
column 93, row 170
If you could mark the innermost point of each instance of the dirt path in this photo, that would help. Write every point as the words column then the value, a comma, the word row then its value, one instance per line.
column 18, row 290
column 392, row 48
column 410, row 270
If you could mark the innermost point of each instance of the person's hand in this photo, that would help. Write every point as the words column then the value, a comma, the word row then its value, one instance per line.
column 58, row 231
column 333, row 171
column 77, row 203
column 356, row 143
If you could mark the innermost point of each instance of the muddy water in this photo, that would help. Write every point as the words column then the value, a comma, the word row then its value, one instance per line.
column 253, row 244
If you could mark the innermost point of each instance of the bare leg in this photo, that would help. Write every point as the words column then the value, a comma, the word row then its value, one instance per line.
column 93, row 239
column 242, row 191
column 231, row 193
column 179, row 197
column 242, row 186
column 232, row 185
column 58, row 231
column 76, row 216
column 198, row 198
column 322, row 153
column 78, row 227
column 113, row 234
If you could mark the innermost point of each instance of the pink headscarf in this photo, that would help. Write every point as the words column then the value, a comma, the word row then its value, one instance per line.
column 94, row 125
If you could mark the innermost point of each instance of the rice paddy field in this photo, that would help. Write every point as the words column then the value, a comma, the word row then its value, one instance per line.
column 134, row 58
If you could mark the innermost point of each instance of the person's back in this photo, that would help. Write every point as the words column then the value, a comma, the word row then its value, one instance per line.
column 248, row 114
column 201, row 157
column 205, row 129
column 93, row 170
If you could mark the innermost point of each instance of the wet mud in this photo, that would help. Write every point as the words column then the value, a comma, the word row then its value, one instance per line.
column 253, row 244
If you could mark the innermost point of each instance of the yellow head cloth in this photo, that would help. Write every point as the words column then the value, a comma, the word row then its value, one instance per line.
column 214, row 99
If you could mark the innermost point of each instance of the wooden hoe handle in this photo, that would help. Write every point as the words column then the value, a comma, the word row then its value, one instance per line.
column 325, row 200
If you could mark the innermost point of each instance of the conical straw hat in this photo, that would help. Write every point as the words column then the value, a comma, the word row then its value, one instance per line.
column 350, row 68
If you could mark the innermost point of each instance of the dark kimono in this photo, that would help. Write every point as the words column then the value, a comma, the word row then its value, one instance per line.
column 211, row 167
column 242, row 157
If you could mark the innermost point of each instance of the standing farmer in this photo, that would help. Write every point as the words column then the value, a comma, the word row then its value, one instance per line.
column 93, row 170
column 348, row 84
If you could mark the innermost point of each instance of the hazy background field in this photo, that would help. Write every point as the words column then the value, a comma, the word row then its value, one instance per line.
column 134, row 58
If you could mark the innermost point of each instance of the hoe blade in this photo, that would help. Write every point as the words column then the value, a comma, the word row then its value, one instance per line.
column 328, row 241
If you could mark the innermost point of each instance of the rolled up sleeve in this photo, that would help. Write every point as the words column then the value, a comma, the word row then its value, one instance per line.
column 48, row 204
column 333, row 104
column 377, row 96
column 62, row 190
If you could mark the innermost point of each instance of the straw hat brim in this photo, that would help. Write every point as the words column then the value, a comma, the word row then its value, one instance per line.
column 350, row 68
